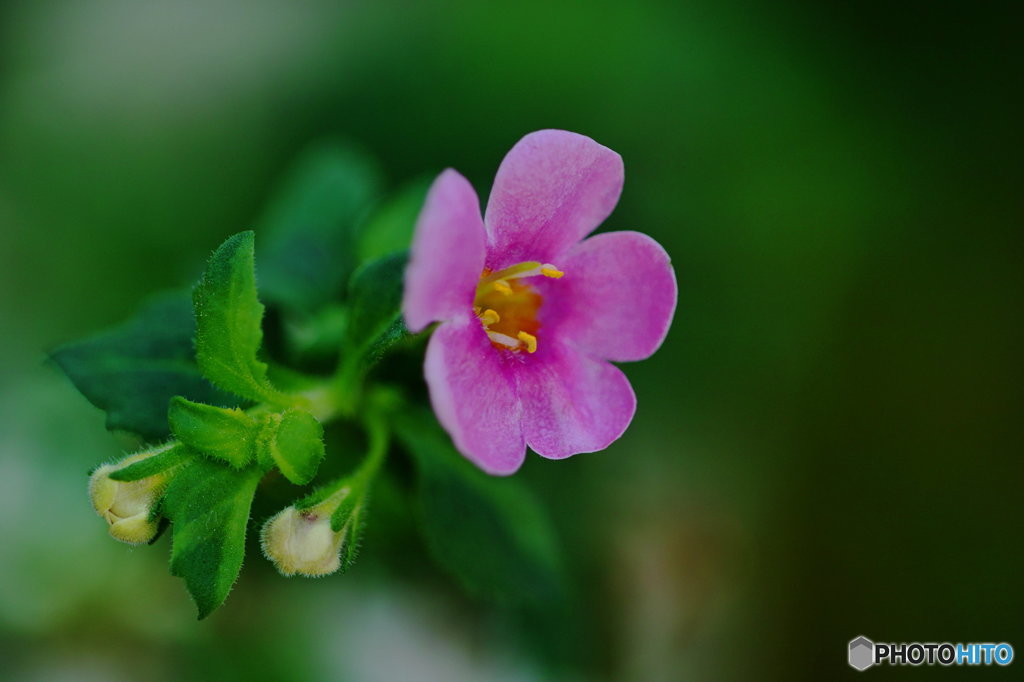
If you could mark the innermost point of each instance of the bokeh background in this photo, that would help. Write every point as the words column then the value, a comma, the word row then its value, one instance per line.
column 828, row 444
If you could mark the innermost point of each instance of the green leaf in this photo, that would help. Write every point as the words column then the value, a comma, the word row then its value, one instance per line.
column 151, row 466
column 208, row 505
column 133, row 370
column 228, row 318
column 391, row 225
column 226, row 434
column 375, row 296
column 309, row 227
column 491, row 533
column 353, row 527
column 294, row 442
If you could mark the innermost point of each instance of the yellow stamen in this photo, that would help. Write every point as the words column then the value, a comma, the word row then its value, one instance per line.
column 551, row 271
column 513, row 272
column 504, row 340
column 506, row 304
column 530, row 340
column 499, row 281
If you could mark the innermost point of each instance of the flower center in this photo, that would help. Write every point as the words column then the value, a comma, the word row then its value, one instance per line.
column 507, row 306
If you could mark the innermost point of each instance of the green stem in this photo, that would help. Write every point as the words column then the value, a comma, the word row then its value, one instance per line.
column 347, row 386
column 331, row 497
column 379, row 437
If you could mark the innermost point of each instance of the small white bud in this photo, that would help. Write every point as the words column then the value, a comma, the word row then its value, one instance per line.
column 302, row 542
column 127, row 506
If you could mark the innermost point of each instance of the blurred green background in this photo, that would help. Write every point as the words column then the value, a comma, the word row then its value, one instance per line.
column 827, row 445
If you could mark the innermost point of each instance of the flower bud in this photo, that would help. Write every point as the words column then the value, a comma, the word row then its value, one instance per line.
column 127, row 505
column 302, row 542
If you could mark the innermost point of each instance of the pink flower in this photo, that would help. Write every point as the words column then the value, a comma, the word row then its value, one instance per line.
column 530, row 314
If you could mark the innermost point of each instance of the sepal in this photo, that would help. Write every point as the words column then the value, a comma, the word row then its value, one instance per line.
column 293, row 441
column 165, row 459
column 226, row 434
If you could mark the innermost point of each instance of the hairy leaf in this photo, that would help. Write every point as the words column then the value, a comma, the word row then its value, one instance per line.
column 151, row 466
column 489, row 532
column 353, row 528
column 309, row 251
column 228, row 318
column 208, row 505
column 294, row 442
column 133, row 370
column 226, row 434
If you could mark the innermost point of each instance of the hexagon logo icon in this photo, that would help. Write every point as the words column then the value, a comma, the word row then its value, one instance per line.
column 862, row 653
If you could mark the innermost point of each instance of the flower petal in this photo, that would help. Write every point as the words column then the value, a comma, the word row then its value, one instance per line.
column 616, row 299
column 572, row 403
column 447, row 254
column 552, row 189
column 473, row 393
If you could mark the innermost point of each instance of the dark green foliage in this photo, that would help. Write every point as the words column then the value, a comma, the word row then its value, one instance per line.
column 133, row 370
column 310, row 227
column 314, row 340
column 375, row 318
column 489, row 532
column 390, row 227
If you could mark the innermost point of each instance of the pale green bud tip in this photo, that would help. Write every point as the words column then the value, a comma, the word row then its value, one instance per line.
column 302, row 542
column 127, row 506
